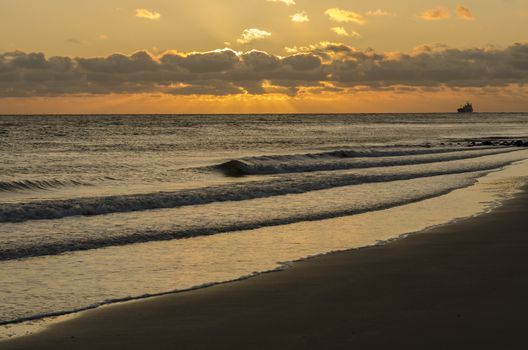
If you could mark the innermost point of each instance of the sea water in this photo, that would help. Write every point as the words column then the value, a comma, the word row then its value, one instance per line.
column 96, row 209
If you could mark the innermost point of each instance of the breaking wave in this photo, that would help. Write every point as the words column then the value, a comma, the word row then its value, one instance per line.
column 346, row 159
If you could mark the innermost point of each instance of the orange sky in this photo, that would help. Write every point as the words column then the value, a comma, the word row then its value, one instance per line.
column 513, row 99
column 284, row 56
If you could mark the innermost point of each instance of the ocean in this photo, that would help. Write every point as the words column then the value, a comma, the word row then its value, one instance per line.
column 98, row 209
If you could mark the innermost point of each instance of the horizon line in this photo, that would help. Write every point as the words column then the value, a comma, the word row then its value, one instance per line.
column 248, row 114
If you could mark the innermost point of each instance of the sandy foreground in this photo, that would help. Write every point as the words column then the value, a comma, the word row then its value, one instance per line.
column 460, row 286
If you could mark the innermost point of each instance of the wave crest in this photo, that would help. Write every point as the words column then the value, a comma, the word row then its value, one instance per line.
column 346, row 159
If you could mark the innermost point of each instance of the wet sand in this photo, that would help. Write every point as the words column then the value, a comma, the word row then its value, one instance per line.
column 460, row 286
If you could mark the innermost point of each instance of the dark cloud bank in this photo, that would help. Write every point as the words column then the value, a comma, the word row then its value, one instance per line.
column 327, row 66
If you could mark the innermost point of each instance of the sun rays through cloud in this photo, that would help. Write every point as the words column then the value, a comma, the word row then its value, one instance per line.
column 325, row 67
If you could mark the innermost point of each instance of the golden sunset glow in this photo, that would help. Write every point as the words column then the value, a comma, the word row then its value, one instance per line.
column 267, row 55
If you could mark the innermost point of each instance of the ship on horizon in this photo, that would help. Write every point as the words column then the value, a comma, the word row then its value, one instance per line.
column 467, row 108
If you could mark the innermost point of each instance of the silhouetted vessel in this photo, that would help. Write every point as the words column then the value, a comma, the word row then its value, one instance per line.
column 467, row 108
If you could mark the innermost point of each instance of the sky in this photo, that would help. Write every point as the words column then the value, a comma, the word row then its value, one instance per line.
column 262, row 56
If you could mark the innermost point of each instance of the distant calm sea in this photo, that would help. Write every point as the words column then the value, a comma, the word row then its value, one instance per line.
column 95, row 209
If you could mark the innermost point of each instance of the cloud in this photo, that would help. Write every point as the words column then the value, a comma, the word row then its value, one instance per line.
column 325, row 49
column 302, row 61
column 300, row 17
column 322, row 67
column 103, row 37
column 377, row 13
column 429, row 48
column 252, row 34
column 144, row 13
column 260, row 61
column 464, row 13
column 343, row 32
column 435, row 14
column 286, row 2
column 344, row 16
column 209, row 62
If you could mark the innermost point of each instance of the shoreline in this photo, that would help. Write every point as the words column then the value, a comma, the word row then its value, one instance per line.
column 361, row 297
